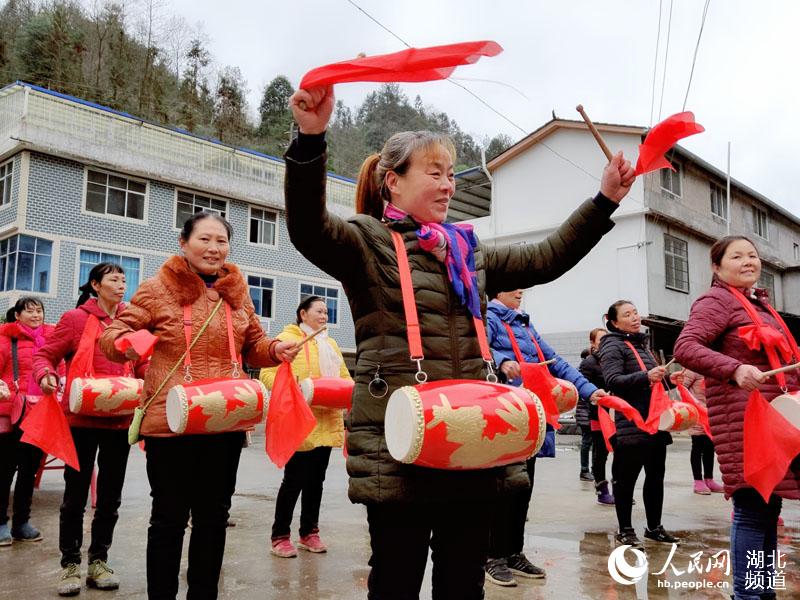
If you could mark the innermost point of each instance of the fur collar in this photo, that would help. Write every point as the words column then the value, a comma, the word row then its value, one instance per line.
column 187, row 287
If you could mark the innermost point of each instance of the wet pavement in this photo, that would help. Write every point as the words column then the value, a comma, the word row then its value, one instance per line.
column 568, row 534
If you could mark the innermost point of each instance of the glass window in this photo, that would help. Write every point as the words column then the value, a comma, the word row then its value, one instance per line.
column 330, row 295
column 760, row 223
column 767, row 282
column 189, row 203
column 676, row 263
column 25, row 263
column 116, row 195
column 671, row 180
column 719, row 201
column 263, row 225
column 261, row 291
column 6, row 179
column 129, row 264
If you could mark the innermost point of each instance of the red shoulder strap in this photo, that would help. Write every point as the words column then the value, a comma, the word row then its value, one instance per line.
column 514, row 344
column 82, row 363
column 637, row 355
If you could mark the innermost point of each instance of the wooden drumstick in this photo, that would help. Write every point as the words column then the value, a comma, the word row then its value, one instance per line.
column 782, row 370
column 595, row 133
column 310, row 337
column 302, row 103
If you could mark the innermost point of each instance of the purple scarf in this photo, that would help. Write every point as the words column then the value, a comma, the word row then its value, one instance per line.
column 454, row 245
column 38, row 337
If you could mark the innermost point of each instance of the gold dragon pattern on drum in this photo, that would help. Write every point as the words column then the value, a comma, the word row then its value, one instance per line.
column 466, row 425
column 215, row 406
column 112, row 393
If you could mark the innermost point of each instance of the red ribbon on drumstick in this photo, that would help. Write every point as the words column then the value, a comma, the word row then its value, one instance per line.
column 607, row 425
column 289, row 418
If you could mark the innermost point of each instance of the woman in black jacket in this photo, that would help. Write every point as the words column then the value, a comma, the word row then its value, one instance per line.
column 590, row 368
column 634, row 448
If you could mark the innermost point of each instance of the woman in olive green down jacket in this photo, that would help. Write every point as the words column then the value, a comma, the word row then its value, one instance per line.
column 406, row 188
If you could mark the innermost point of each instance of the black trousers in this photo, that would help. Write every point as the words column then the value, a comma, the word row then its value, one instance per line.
column 400, row 534
column 586, row 446
column 189, row 475
column 24, row 459
column 110, row 448
column 702, row 455
column 625, row 468
column 599, row 456
column 302, row 476
column 508, row 519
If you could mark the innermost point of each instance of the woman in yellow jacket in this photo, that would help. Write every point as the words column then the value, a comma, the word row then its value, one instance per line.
column 305, row 471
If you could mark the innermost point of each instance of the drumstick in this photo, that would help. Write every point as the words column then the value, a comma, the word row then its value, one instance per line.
column 595, row 133
column 782, row 370
column 310, row 337
column 666, row 366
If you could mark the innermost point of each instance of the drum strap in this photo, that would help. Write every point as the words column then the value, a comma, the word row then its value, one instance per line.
column 187, row 332
column 410, row 308
column 515, row 345
column 637, row 355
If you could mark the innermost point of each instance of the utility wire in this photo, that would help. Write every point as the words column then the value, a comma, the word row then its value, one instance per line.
column 666, row 58
column 655, row 64
column 696, row 48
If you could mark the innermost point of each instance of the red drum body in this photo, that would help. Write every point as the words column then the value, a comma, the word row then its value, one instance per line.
column 104, row 397
column 565, row 395
column 463, row 424
column 679, row 417
column 789, row 407
column 216, row 405
column 328, row 392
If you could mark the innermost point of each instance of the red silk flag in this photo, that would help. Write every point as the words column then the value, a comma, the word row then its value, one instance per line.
column 411, row 65
column 661, row 138
column 537, row 378
column 141, row 341
column 289, row 418
column 686, row 396
column 659, row 402
column 770, row 445
column 607, row 425
column 46, row 427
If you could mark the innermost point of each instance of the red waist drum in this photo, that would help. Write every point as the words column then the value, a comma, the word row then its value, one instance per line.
column 789, row 406
column 216, row 405
column 463, row 424
column 679, row 417
column 565, row 395
column 104, row 396
column 328, row 392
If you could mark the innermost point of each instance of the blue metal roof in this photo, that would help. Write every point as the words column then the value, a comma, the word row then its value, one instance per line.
column 154, row 124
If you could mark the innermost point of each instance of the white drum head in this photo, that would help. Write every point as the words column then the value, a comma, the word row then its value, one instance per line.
column 177, row 410
column 667, row 420
column 789, row 407
column 400, row 425
column 307, row 387
column 76, row 395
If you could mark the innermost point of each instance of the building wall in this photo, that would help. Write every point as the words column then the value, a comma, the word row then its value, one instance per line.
column 8, row 212
column 54, row 210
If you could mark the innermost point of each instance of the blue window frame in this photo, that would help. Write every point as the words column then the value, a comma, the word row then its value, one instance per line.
column 25, row 263
column 331, row 296
column 130, row 265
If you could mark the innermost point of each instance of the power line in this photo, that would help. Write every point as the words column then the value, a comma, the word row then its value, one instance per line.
column 666, row 58
column 696, row 48
column 655, row 64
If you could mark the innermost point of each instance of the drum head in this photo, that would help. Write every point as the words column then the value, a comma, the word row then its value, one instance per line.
column 307, row 387
column 76, row 395
column 667, row 420
column 789, row 407
column 400, row 426
column 177, row 410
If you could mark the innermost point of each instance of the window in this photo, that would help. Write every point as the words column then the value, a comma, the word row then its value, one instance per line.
column 261, row 292
column 6, row 178
column 331, row 296
column 115, row 195
column 263, row 225
column 189, row 203
column 767, row 282
column 676, row 262
column 796, row 249
column 719, row 201
column 129, row 264
column 760, row 223
column 671, row 180
column 25, row 263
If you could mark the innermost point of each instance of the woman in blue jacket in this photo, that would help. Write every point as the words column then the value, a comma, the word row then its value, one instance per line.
column 508, row 527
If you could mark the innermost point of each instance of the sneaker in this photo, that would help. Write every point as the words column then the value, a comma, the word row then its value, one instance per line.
column 69, row 583
column 283, row 547
column 312, row 543
column 519, row 564
column 604, row 497
column 101, row 576
column 586, row 476
column 661, row 536
column 5, row 535
column 26, row 533
column 497, row 572
column 713, row 486
column 627, row 537
column 701, row 488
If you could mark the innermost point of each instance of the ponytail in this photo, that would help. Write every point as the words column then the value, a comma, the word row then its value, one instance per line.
column 87, row 292
column 368, row 190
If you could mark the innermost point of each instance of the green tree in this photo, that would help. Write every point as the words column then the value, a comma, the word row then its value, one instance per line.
column 276, row 116
column 230, row 107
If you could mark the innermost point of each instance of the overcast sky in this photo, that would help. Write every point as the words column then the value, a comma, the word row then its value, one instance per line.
column 746, row 86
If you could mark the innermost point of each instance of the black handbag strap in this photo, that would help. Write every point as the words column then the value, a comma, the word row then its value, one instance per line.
column 15, row 361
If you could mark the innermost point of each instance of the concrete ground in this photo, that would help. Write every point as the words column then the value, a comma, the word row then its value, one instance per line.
column 567, row 534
